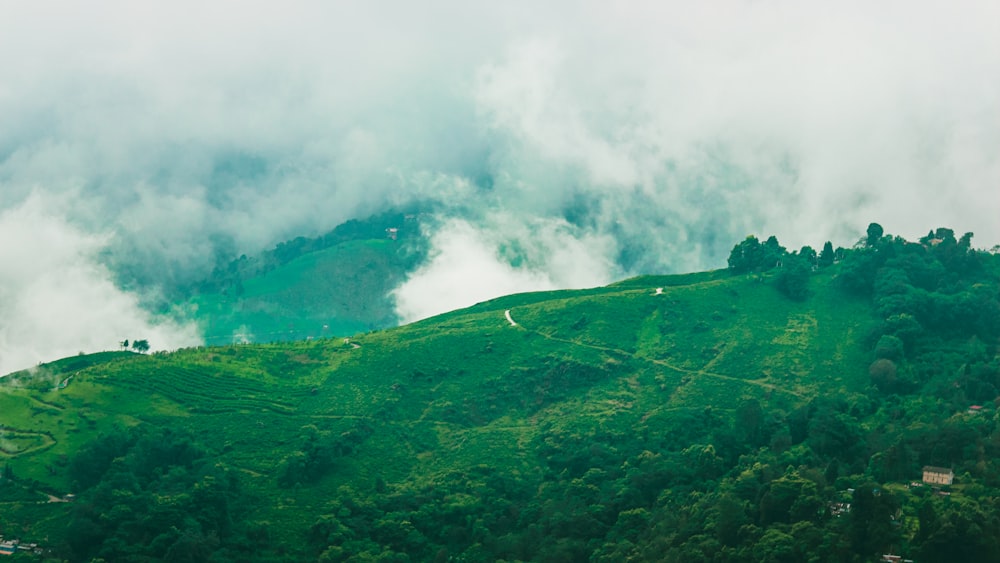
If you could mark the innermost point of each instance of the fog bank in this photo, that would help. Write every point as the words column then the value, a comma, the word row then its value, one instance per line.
column 598, row 140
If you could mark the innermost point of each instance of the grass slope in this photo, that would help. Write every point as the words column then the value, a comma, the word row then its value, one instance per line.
column 335, row 284
column 339, row 290
column 449, row 393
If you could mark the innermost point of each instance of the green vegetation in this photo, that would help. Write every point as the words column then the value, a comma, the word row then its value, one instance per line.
column 722, row 416
column 335, row 284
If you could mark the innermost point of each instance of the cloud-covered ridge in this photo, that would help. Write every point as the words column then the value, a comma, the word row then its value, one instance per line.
column 183, row 132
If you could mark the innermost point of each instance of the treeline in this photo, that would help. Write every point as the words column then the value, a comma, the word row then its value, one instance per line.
column 939, row 305
column 937, row 299
column 792, row 279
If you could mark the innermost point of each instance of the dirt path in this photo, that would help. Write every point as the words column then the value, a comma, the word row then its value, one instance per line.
column 668, row 365
column 509, row 319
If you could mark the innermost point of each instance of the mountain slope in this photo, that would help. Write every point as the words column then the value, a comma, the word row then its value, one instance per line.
column 466, row 388
column 336, row 284
column 664, row 416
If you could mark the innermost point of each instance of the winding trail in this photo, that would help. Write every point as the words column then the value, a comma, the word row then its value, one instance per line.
column 663, row 363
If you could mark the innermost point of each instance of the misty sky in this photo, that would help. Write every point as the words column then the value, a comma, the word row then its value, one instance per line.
column 567, row 143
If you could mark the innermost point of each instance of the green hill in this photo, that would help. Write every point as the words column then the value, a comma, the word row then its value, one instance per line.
column 335, row 284
column 682, row 418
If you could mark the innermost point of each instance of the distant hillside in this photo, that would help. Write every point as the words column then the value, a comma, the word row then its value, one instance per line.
column 336, row 284
column 775, row 411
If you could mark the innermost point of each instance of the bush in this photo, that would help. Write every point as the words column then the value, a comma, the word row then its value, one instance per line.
column 793, row 279
column 883, row 374
column 889, row 348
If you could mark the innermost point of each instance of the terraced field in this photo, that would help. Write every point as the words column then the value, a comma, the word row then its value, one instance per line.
column 203, row 392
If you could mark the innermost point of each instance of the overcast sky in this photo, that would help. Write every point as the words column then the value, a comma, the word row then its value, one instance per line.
column 596, row 139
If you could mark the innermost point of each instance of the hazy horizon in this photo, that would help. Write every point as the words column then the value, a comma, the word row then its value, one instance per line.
column 144, row 142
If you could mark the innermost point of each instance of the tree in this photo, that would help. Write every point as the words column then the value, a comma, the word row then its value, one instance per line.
column 835, row 434
column 124, row 344
column 857, row 273
column 773, row 253
column 870, row 526
column 793, row 279
column 789, row 499
column 140, row 346
column 889, row 347
column 749, row 422
column 729, row 516
column 751, row 255
column 874, row 234
column 775, row 546
column 946, row 235
column 826, row 255
column 896, row 463
column 809, row 255
column 883, row 374
column 745, row 256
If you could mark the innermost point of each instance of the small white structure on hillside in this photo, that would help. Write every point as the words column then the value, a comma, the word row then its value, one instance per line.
column 938, row 475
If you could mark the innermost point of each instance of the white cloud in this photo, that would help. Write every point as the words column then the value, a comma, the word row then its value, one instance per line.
column 56, row 301
column 282, row 121
column 469, row 264
column 672, row 129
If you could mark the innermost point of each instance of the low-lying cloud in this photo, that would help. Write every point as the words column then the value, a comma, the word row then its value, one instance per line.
column 57, row 300
column 470, row 264
column 652, row 134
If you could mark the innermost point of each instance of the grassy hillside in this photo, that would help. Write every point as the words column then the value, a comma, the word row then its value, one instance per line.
column 339, row 290
column 667, row 417
column 460, row 390
column 335, row 284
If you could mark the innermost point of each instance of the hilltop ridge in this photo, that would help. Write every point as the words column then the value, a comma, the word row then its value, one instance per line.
column 662, row 416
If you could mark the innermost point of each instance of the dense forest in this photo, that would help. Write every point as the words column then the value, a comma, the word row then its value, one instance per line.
column 816, row 471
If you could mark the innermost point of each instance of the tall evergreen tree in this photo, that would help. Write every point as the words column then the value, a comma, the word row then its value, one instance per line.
column 826, row 255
